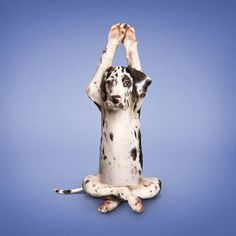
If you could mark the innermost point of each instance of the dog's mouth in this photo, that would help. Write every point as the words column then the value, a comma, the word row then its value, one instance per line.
column 110, row 105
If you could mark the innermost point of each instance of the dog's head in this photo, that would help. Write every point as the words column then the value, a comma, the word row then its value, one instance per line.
column 122, row 86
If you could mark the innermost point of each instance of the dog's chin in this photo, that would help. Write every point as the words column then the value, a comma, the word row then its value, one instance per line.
column 116, row 107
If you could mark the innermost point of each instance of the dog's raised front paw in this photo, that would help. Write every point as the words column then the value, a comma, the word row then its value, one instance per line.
column 130, row 36
column 117, row 33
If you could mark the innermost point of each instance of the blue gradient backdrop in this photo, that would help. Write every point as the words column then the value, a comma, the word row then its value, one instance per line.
column 49, row 133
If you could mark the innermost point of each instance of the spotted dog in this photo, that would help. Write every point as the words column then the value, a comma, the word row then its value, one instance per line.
column 119, row 92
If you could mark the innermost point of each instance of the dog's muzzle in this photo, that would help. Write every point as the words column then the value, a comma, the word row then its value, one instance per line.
column 114, row 102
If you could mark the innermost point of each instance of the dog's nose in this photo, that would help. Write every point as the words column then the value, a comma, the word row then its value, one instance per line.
column 115, row 99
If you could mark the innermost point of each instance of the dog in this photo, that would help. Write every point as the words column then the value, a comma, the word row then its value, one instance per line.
column 119, row 93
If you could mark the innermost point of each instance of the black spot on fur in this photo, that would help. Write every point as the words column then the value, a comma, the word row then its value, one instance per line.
column 140, row 150
column 139, row 111
column 57, row 191
column 146, row 85
column 103, row 83
column 135, row 134
column 105, row 157
column 116, row 74
column 138, row 76
column 67, row 191
column 111, row 136
column 134, row 153
column 87, row 181
column 139, row 171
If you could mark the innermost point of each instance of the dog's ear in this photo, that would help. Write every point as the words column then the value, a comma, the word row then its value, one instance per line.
column 107, row 73
column 141, row 82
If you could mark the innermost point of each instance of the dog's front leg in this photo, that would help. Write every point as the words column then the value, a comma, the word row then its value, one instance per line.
column 115, row 36
column 131, row 50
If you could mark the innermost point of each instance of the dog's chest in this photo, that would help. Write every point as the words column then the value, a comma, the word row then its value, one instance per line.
column 120, row 150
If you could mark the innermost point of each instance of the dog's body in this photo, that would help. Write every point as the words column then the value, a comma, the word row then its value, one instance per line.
column 120, row 150
column 119, row 92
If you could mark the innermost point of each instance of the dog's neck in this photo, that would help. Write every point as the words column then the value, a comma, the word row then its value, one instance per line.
column 120, row 150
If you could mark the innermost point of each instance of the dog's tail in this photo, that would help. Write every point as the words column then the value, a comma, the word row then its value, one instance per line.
column 68, row 191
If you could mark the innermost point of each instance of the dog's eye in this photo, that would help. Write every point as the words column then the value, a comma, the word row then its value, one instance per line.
column 126, row 83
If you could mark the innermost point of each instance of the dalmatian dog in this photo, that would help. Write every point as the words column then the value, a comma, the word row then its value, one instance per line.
column 119, row 92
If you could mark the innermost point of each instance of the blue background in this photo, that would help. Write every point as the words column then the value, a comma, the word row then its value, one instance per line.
column 50, row 130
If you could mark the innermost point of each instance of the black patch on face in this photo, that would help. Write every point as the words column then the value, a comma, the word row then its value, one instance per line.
column 126, row 81
column 67, row 191
column 111, row 136
column 87, row 181
column 109, row 71
column 134, row 153
column 140, row 150
column 104, row 157
column 138, row 76
column 103, row 83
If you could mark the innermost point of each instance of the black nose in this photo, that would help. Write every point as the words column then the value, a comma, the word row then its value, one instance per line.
column 115, row 99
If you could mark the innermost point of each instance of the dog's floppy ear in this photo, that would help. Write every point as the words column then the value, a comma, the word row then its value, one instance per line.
column 141, row 82
column 107, row 73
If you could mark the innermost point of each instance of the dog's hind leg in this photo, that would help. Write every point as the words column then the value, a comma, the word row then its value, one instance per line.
column 95, row 188
column 147, row 188
column 109, row 205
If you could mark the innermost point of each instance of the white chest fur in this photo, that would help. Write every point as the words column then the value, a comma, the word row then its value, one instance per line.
column 120, row 148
